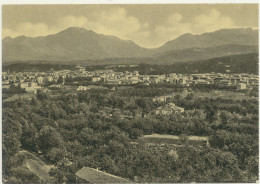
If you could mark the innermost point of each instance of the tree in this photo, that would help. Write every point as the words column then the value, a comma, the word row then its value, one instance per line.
column 56, row 154
column 60, row 80
column 252, row 167
column 58, row 174
column 12, row 132
column 211, row 113
column 29, row 136
column 41, row 96
column 48, row 138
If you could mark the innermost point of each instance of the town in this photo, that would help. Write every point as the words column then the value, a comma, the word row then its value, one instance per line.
column 71, row 116
column 162, row 114
column 33, row 81
column 130, row 93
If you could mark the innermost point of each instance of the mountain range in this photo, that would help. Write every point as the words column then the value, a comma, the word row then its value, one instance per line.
column 78, row 44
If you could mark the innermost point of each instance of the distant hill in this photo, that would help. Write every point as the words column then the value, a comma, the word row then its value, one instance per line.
column 241, row 63
column 194, row 54
column 80, row 45
column 221, row 37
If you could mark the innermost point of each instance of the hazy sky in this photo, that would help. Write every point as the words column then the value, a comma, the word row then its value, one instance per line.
column 146, row 25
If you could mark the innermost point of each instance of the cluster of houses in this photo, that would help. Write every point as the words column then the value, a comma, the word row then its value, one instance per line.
column 164, row 98
column 169, row 109
column 108, row 76
column 31, row 81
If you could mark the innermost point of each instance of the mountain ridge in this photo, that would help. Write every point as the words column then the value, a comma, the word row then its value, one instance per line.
column 77, row 43
column 245, row 36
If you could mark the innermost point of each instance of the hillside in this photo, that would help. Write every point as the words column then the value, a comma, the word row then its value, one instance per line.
column 194, row 54
column 242, row 63
column 221, row 37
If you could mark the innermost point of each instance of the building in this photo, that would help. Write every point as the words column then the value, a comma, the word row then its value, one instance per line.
column 241, row 86
column 217, row 80
column 163, row 139
column 90, row 175
column 96, row 78
column 30, row 87
column 200, row 81
column 113, row 82
column 85, row 88
column 82, row 88
column 159, row 139
column 235, row 80
column 162, row 98
column 6, row 84
column 169, row 109
column 253, row 81
column 144, row 78
column 197, row 140
column 226, row 82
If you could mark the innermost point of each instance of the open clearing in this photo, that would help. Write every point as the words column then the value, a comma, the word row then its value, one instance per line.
column 38, row 167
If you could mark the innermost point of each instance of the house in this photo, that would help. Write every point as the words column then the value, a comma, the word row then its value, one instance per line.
column 253, row 80
column 217, row 80
column 198, row 140
column 79, row 68
column 96, row 78
column 200, row 81
column 159, row 99
column 5, row 84
column 90, row 175
column 48, row 79
column 162, row 98
column 241, row 86
column 135, row 73
column 235, row 80
column 144, row 78
column 159, row 139
column 24, row 85
column 169, row 109
column 40, row 80
column 225, row 82
column 32, row 89
column 113, row 81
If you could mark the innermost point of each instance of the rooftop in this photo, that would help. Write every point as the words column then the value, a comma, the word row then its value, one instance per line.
column 165, row 136
column 197, row 138
column 96, row 176
column 161, row 136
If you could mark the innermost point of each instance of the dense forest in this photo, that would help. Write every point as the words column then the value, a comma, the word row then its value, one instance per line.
column 87, row 129
column 242, row 63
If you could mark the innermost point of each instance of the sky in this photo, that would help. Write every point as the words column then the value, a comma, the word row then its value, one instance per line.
column 149, row 25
